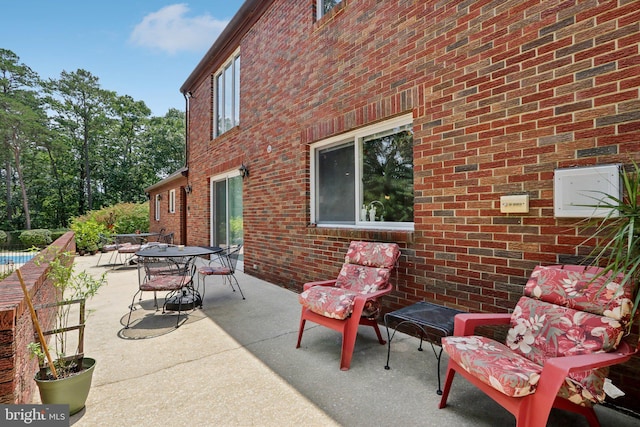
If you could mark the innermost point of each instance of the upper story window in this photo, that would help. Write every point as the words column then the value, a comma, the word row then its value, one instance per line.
column 365, row 178
column 172, row 201
column 226, row 99
column 325, row 6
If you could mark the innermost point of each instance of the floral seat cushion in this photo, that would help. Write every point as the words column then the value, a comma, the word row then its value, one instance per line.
column 513, row 374
column 163, row 283
column 215, row 271
column 337, row 301
column 328, row 301
column 564, row 313
column 128, row 248
column 367, row 269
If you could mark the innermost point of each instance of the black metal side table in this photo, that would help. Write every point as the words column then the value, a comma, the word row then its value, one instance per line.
column 432, row 320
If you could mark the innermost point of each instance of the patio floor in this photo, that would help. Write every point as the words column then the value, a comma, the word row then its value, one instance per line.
column 234, row 363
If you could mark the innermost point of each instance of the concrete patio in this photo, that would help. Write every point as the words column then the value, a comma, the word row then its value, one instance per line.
column 234, row 363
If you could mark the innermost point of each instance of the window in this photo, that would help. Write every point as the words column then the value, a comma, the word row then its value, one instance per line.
column 325, row 6
column 365, row 178
column 158, row 198
column 172, row 201
column 226, row 100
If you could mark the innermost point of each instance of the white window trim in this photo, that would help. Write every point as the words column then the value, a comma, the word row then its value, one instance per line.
column 172, row 201
column 356, row 136
column 220, row 71
column 320, row 8
column 213, row 179
column 157, row 199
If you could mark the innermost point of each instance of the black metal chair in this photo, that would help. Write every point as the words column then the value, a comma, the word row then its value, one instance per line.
column 225, row 266
column 171, row 275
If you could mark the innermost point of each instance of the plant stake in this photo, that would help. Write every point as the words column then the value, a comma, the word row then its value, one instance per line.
column 36, row 324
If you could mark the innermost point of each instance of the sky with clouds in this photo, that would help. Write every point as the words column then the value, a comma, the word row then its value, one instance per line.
column 142, row 48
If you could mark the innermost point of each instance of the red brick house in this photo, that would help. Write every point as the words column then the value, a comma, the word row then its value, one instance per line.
column 428, row 111
column 168, row 206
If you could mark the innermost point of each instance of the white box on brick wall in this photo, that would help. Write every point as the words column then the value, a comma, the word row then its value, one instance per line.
column 577, row 190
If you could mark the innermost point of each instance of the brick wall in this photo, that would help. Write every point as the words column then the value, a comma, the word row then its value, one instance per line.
column 502, row 93
column 170, row 222
column 17, row 368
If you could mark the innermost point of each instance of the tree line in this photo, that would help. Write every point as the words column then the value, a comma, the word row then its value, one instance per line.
column 70, row 146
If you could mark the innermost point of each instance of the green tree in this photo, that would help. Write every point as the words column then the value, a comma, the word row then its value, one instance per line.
column 80, row 109
column 70, row 146
column 164, row 144
column 22, row 123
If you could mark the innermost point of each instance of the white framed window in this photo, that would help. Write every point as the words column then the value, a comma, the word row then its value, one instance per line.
column 226, row 98
column 157, row 206
column 324, row 6
column 364, row 178
column 172, row 201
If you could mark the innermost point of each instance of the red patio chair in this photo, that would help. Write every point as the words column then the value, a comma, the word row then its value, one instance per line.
column 351, row 300
column 565, row 332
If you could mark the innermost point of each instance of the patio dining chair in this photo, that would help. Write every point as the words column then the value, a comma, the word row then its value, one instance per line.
column 564, row 333
column 351, row 300
column 225, row 266
column 171, row 275
column 108, row 244
column 126, row 248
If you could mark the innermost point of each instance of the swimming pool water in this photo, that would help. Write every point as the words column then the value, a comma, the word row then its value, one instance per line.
column 15, row 259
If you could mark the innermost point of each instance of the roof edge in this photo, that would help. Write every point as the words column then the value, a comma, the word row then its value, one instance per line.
column 228, row 40
column 182, row 172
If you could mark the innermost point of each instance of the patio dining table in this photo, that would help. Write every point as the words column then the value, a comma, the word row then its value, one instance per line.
column 188, row 255
column 127, row 244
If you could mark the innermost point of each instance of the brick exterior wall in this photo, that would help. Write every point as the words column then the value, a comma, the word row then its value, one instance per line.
column 17, row 368
column 170, row 222
column 502, row 93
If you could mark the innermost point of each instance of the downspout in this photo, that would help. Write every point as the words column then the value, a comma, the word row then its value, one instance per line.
column 187, row 116
column 187, row 98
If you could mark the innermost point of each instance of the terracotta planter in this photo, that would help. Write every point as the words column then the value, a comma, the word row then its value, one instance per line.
column 72, row 391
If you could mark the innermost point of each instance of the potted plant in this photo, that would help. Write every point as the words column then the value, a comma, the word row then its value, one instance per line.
column 88, row 234
column 617, row 235
column 65, row 379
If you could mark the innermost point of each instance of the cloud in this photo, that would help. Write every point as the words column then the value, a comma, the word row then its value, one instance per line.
column 170, row 30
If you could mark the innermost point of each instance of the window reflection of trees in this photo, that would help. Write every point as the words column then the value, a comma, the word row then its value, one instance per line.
column 387, row 175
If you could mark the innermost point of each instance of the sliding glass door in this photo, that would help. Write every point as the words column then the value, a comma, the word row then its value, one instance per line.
column 226, row 210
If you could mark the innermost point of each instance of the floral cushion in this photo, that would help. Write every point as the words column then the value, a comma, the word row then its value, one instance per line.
column 373, row 254
column 367, row 269
column 513, row 374
column 494, row 363
column 128, row 248
column 362, row 280
column 163, row 283
column 215, row 271
column 563, row 313
column 579, row 290
column 328, row 301
column 540, row 330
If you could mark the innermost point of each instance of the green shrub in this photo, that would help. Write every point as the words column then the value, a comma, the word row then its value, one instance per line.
column 121, row 218
column 3, row 237
column 88, row 234
column 39, row 238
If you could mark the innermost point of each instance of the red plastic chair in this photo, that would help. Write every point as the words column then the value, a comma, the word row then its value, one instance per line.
column 351, row 300
column 565, row 331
